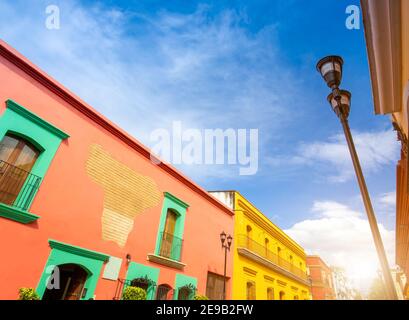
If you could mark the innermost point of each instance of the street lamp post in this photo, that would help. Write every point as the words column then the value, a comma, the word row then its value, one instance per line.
column 330, row 69
column 226, row 246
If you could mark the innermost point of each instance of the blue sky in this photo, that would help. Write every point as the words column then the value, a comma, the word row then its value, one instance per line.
column 233, row 64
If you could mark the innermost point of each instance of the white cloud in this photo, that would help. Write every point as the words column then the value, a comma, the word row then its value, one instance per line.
column 388, row 199
column 342, row 237
column 144, row 72
column 331, row 159
column 385, row 207
column 331, row 209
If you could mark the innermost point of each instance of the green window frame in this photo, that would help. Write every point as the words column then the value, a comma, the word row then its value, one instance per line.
column 170, row 202
column 137, row 270
column 47, row 138
column 181, row 281
column 63, row 253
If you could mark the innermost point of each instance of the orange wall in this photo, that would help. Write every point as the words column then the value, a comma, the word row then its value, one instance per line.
column 320, row 289
column 70, row 204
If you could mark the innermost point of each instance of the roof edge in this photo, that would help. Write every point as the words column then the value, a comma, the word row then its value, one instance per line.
column 382, row 28
column 275, row 226
column 21, row 62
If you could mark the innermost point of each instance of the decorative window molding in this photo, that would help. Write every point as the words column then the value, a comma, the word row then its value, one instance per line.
column 166, row 261
column 179, row 207
column 250, row 271
column 63, row 253
column 16, row 214
column 78, row 250
column 176, row 200
column 281, row 283
column 19, row 109
column 19, row 121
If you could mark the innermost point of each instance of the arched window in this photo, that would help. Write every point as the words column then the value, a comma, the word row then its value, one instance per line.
column 270, row 294
column 266, row 245
column 249, row 231
column 17, row 158
column 249, row 237
column 168, row 238
column 72, row 279
column 282, row 295
column 164, row 292
column 251, row 290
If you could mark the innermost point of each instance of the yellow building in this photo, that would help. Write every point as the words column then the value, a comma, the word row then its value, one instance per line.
column 268, row 264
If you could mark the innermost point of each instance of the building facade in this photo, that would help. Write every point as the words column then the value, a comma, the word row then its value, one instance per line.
column 399, row 279
column 320, row 274
column 342, row 286
column 386, row 25
column 85, row 209
column 268, row 264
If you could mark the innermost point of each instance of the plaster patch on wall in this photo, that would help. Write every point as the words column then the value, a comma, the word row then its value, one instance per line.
column 112, row 268
column 126, row 193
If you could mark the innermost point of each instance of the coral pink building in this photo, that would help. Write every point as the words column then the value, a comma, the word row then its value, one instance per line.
column 84, row 209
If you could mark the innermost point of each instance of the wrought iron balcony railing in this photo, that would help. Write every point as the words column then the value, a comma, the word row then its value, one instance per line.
column 261, row 250
column 17, row 186
column 171, row 246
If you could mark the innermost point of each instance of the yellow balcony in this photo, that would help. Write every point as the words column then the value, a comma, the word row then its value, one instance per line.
column 259, row 253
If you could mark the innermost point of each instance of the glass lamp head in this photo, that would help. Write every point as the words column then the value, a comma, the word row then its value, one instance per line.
column 330, row 69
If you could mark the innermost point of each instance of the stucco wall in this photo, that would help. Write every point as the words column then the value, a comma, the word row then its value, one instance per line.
column 71, row 204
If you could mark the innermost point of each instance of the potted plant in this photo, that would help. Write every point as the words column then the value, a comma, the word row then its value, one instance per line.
column 134, row 293
column 27, row 294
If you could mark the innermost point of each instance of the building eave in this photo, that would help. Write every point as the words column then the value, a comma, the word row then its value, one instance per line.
column 382, row 24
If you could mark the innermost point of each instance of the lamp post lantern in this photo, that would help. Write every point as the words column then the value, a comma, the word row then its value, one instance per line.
column 330, row 69
column 226, row 246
